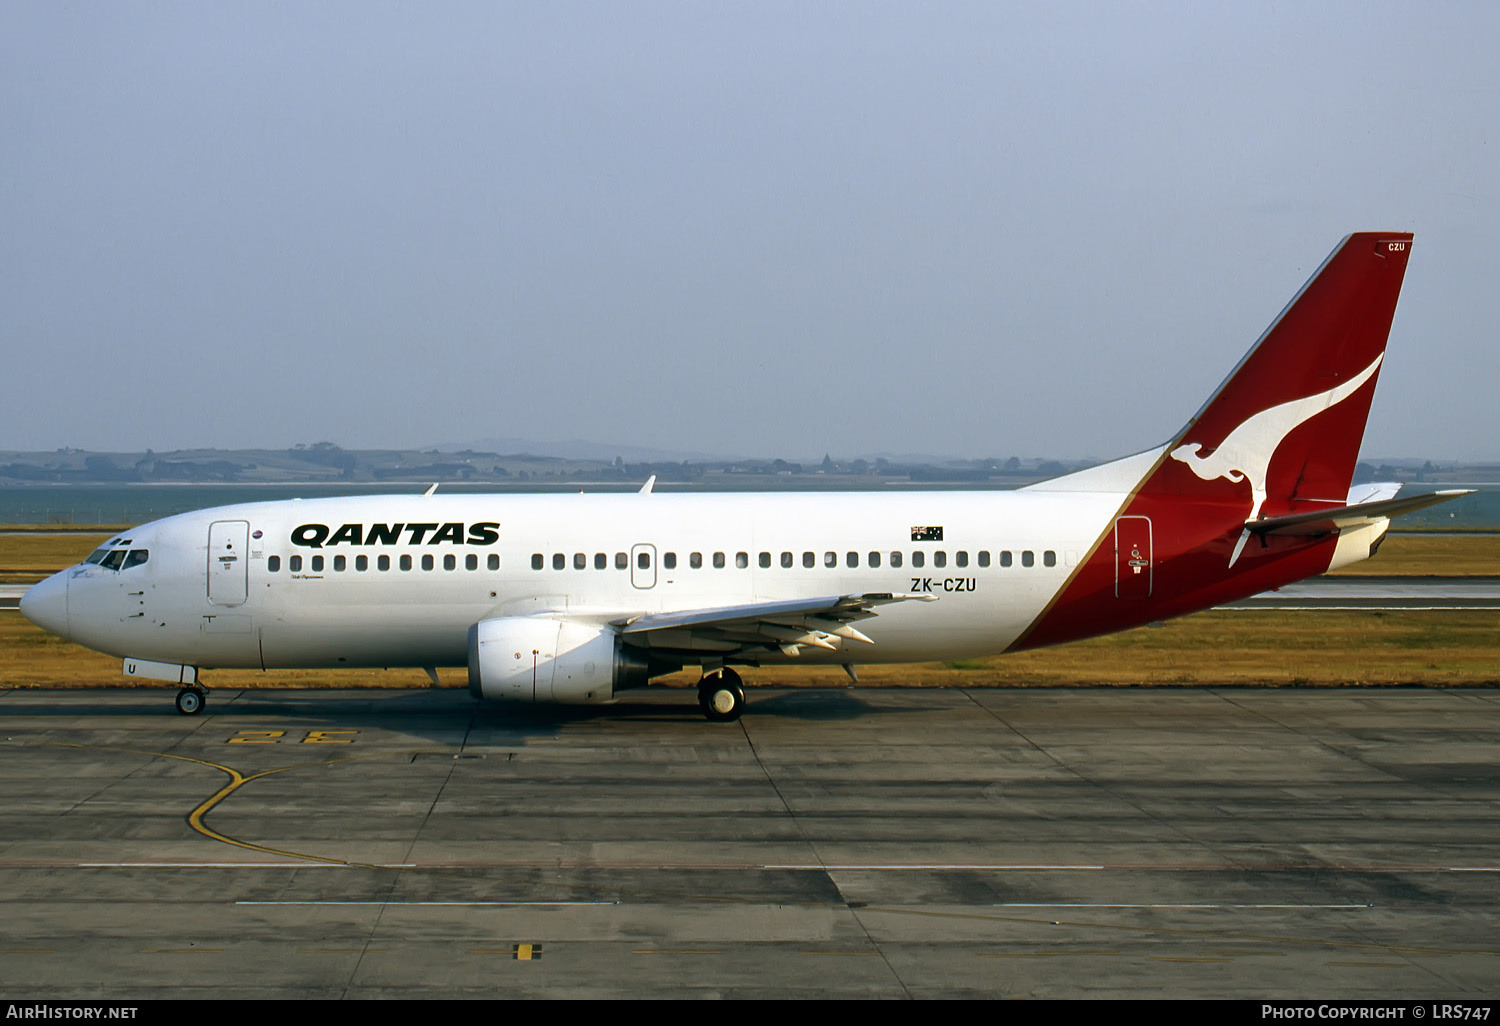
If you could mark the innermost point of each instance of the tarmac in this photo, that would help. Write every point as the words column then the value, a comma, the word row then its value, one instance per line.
column 1186, row 842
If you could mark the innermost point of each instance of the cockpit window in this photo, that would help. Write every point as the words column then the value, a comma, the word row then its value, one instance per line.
column 118, row 559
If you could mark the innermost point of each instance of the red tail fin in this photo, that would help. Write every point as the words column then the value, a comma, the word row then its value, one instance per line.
column 1289, row 419
column 1280, row 436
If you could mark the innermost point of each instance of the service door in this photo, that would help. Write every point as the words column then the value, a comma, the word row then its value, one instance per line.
column 228, row 569
column 643, row 566
column 1133, row 569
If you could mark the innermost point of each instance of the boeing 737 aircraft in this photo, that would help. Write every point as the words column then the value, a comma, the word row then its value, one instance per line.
column 575, row 598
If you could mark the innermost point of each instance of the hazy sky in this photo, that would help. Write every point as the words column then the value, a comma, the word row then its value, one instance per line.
column 743, row 228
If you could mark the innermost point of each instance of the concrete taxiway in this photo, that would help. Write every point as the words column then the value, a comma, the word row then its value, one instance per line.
column 1181, row 842
column 1406, row 592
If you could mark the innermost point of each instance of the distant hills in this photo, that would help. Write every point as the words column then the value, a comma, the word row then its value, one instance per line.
column 516, row 462
column 556, row 463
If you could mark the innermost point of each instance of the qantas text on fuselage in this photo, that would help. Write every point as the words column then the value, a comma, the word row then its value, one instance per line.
column 576, row 598
column 317, row 536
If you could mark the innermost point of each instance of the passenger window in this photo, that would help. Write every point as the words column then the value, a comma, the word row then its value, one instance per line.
column 339, row 563
column 852, row 559
column 622, row 561
column 493, row 562
column 961, row 558
column 984, row 558
column 317, row 564
column 294, row 564
column 643, row 560
column 450, row 562
column 1049, row 558
column 809, row 560
column 765, row 560
column 406, row 562
column 536, row 561
column 786, row 560
column 383, row 563
column 830, row 559
column 137, row 557
column 669, row 560
column 940, row 558
column 580, row 561
column 742, row 560
column 471, row 562
column 1028, row 558
column 874, row 559
column 718, row 560
column 601, row 561
column 895, row 559
column 361, row 563
column 559, row 561
column 1005, row 558
column 919, row 558
column 695, row 561
column 273, row 564
column 427, row 562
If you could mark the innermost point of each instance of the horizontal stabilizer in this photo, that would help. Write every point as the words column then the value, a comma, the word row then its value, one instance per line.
column 1373, row 491
column 1326, row 521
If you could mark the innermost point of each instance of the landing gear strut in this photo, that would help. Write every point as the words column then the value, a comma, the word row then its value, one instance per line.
column 721, row 696
column 190, row 700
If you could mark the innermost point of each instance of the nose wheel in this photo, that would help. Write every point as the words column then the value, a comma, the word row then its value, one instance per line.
column 190, row 701
column 721, row 696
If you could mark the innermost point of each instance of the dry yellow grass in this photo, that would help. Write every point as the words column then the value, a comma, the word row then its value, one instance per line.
column 1324, row 649
column 1417, row 555
column 25, row 558
column 1242, row 647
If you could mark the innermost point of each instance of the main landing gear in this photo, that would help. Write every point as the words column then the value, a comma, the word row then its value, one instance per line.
column 190, row 700
column 721, row 696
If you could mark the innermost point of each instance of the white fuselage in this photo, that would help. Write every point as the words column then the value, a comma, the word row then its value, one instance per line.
column 255, row 597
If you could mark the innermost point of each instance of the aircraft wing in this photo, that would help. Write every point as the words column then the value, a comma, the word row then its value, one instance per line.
column 824, row 622
column 1325, row 521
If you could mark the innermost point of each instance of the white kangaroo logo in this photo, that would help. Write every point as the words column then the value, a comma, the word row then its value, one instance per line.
column 1246, row 453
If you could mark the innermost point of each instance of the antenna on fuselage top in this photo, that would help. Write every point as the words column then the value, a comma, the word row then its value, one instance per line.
column 432, row 489
column 646, row 488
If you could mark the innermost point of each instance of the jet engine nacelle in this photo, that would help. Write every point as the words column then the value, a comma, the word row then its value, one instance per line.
column 541, row 659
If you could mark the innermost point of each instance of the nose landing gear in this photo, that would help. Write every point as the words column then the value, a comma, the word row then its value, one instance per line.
column 190, row 700
column 721, row 696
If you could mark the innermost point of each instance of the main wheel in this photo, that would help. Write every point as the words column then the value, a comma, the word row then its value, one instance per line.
column 190, row 701
column 721, row 696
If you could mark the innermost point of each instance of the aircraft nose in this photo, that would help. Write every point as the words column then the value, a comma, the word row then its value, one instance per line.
column 46, row 604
